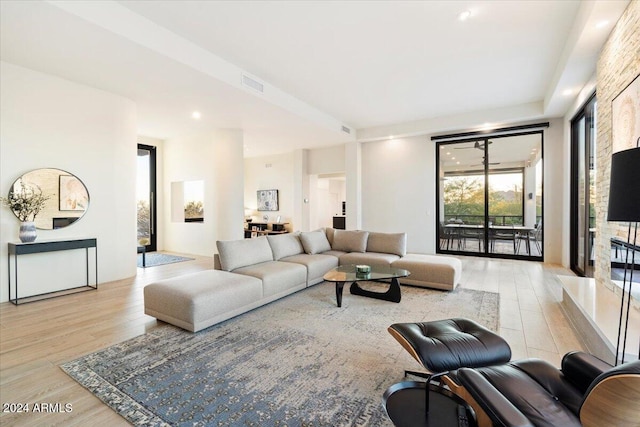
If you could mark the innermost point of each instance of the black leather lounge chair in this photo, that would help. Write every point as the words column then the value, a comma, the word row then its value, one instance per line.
column 532, row 393
column 474, row 363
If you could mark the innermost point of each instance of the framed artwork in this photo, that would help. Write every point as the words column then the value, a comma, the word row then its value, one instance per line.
column 267, row 200
column 72, row 194
column 625, row 115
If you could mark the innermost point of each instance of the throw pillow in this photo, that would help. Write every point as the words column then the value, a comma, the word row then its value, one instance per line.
column 329, row 231
column 285, row 245
column 387, row 243
column 350, row 241
column 241, row 253
column 314, row 242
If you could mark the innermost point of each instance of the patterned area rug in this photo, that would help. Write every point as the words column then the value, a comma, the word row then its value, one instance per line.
column 299, row 361
column 156, row 258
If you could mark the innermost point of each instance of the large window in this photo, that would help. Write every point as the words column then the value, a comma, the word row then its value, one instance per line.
column 583, row 189
column 490, row 196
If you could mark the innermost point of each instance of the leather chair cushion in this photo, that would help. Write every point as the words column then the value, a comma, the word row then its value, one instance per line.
column 582, row 368
column 444, row 345
column 538, row 390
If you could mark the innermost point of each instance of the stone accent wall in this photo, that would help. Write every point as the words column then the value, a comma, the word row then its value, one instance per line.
column 618, row 65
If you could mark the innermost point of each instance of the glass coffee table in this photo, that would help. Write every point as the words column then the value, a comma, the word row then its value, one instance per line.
column 347, row 273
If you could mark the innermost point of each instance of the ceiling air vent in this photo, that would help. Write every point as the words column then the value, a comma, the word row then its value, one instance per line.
column 346, row 129
column 253, row 84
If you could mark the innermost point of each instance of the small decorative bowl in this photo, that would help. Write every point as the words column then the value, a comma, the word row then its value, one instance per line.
column 363, row 269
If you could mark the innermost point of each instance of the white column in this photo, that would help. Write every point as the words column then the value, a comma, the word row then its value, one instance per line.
column 301, row 191
column 228, row 184
column 353, row 168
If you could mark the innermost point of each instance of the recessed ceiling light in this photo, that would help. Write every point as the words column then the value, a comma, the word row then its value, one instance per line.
column 453, row 158
column 390, row 136
column 602, row 24
column 567, row 92
column 448, row 153
column 464, row 15
column 196, row 115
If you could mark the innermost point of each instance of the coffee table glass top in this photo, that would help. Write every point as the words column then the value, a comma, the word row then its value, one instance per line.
column 347, row 273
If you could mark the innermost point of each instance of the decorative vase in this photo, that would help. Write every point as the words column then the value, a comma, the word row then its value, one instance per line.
column 27, row 232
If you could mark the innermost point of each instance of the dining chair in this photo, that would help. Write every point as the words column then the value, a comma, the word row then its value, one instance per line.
column 527, row 237
column 504, row 233
column 473, row 234
column 444, row 235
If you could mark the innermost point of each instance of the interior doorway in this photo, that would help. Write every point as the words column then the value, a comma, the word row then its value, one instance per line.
column 329, row 195
column 146, row 197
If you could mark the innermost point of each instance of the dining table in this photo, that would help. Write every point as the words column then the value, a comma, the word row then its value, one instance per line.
column 524, row 230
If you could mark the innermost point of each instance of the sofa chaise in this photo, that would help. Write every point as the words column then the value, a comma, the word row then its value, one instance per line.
column 249, row 273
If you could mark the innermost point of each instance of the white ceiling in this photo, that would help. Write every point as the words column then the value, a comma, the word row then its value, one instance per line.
column 369, row 65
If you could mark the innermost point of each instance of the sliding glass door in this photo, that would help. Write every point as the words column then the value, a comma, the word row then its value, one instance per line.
column 462, row 206
column 583, row 189
column 490, row 196
column 146, row 197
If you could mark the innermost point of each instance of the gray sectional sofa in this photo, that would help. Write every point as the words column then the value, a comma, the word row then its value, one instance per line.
column 252, row 272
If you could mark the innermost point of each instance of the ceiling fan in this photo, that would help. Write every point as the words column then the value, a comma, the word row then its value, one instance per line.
column 485, row 161
column 478, row 145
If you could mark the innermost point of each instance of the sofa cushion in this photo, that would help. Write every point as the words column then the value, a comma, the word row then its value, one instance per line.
column 333, row 253
column 198, row 300
column 433, row 271
column 350, row 240
column 317, row 265
column 278, row 278
column 241, row 253
column 387, row 243
column 285, row 245
column 314, row 242
column 368, row 258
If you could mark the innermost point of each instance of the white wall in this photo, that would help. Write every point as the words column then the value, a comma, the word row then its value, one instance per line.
column 271, row 173
column 323, row 161
column 295, row 175
column 46, row 121
column 216, row 159
column 398, row 190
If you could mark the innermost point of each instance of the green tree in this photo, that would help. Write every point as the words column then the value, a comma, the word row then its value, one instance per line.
column 464, row 196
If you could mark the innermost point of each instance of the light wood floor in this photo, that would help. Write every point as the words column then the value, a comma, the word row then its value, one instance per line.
column 35, row 338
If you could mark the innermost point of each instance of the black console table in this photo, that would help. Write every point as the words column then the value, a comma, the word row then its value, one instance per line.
column 16, row 249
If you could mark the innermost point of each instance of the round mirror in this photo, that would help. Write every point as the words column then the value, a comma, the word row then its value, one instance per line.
column 67, row 197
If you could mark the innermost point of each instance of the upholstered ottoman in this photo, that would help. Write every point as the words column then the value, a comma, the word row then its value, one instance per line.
column 198, row 300
column 433, row 271
column 443, row 346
